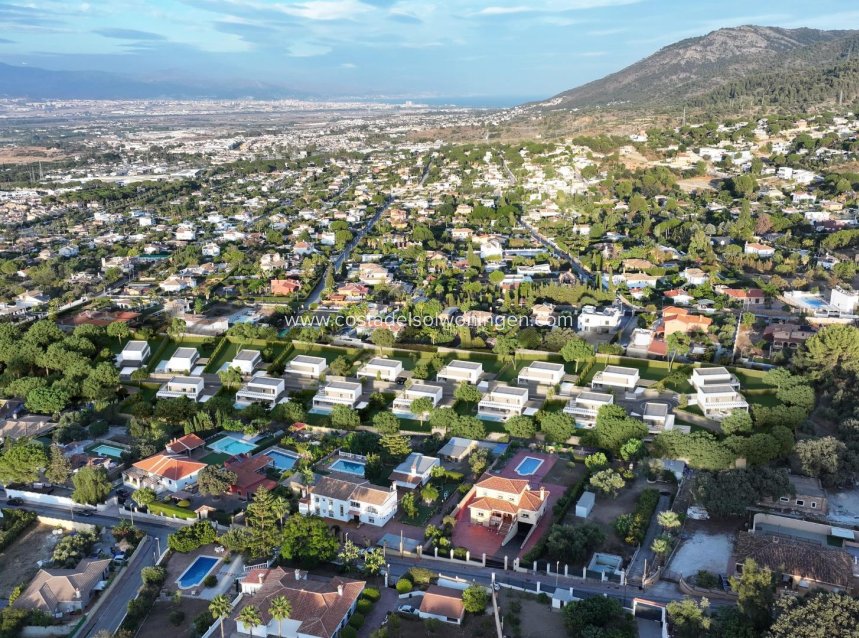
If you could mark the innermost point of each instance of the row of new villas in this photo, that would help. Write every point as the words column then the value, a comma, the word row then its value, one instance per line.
column 402, row 406
column 502, row 402
column 716, row 392
column 585, row 407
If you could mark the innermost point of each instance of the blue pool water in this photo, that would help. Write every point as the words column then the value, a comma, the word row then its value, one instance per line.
column 528, row 466
column 813, row 302
column 107, row 450
column 197, row 571
column 229, row 445
column 350, row 467
column 282, row 460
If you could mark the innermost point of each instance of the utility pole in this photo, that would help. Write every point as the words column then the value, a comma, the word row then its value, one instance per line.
column 684, row 117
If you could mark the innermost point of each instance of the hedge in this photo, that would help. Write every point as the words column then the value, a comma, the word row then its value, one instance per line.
column 639, row 520
column 404, row 586
column 371, row 593
column 364, row 606
column 348, row 632
column 357, row 620
column 16, row 522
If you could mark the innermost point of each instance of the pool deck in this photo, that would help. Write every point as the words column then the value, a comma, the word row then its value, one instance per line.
column 509, row 470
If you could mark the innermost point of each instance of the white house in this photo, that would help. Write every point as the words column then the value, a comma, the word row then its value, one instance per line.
column 403, row 403
column 759, row 250
column 414, row 471
column 847, row 301
column 599, row 320
column 458, row 371
column 502, row 402
column 134, row 353
column 336, row 393
column 717, row 392
column 262, row 389
column 585, row 407
column 190, row 387
column 616, row 377
column 382, row 369
column 657, row 417
column 349, row 499
column 542, row 373
column 307, row 367
column 491, row 248
column 246, row 361
column 695, row 276
column 183, row 360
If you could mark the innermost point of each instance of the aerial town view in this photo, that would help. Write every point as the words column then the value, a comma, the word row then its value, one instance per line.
column 351, row 319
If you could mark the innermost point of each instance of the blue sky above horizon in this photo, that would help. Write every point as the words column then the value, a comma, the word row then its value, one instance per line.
column 380, row 47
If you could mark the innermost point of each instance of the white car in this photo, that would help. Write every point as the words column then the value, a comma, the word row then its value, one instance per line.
column 407, row 609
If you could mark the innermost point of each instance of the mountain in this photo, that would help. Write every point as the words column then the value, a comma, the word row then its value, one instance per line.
column 35, row 83
column 745, row 66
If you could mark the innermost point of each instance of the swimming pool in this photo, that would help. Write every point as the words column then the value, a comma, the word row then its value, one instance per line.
column 528, row 466
column 107, row 450
column 282, row 460
column 197, row 571
column 350, row 467
column 232, row 446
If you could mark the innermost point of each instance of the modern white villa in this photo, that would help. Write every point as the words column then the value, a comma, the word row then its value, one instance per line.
column 183, row 360
column 382, row 369
column 542, row 373
column 336, row 393
column 262, row 389
column 599, row 320
column 458, row 371
column 135, row 353
column 307, row 367
column 414, row 471
column 585, row 407
column 616, row 377
column 177, row 387
column 246, row 361
column 717, row 392
column 402, row 406
column 657, row 417
column 502, row 402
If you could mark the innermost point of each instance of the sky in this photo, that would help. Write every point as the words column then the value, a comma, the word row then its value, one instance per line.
column 397, row 48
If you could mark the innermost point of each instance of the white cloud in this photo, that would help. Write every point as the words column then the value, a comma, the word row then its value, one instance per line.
column 308, row 49
column 327, row 9
column 348, row 65
column 498, row 11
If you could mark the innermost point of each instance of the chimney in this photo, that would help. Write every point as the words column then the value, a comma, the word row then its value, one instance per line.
column 261, row 576
column 297, row 574
column 542, row 493
column 414, row 469
column 339, row 590
column 77, row 593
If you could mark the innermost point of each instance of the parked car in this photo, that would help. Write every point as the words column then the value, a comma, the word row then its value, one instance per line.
column 84, row 513
column 407, row 609
column 15, row 500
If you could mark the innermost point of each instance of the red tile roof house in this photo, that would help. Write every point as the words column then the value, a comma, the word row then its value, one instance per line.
column 250, row 475
column 162, row 472
column 503, row 503
column 750, row 297
column 185, row 444
column 442, row 603
column 321, row 607
column 284, row 286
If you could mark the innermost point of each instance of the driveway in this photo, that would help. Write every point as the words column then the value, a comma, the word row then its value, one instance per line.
column 387, row 602
column 636, row 568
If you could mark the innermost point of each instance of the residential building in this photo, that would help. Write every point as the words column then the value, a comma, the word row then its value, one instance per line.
column 403, row 403
column 163, row 472
column 246, row 361
column 177, row 387
column 60, row 592
column 585, row 406
column 619, row 377
column 808, row 497
column 458, row 371
column 382, row 369
column 185, row 444
column 543, row 314
column 542, row 373
column 175, row 283
column 503, row 504
column 336, row 393
column 250, row 474
column 477, row 318
column 135, row 353
column 695, row 276
column 321, row 606
column 442, row 603
column 371, row 274
column 457, row 448
column 283, row 287
column 306, row 367
column 183, row 360
column 759, row 250
column 345, row 498
column 414, row 471
column 502, row 402
column 748, row 298
column 679, row 296
column 657, row 417
column 676, row 319
column 262, row 389
column 599, row 320
column 847, row 301
column 717, row 392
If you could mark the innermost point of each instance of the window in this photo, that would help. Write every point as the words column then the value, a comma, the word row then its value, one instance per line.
column 370, row 519
column 813, row 505
column 784, row 499
column 354, row 504
column 800, row 502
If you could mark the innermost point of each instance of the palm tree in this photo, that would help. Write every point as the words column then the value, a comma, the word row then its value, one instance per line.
column 668, row 520
column 280, row 609
column 661, row 546
column 220, row 608
column 250, row 618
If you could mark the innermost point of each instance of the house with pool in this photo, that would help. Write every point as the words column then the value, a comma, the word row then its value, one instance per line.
column 459, row 371
column 502, row 402
column 348, row 498
column 183, row 360
column 504, row 504
column 262, row 389
column 306, row 367
column 336, row 393
column 178, row 387
column 585, row 406
column 382, row 369
column 321, row 607
column 163, row 472
column 402, row 406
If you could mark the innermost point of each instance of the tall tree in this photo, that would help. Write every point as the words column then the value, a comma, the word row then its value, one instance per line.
column 262, row 515
column 220, row 608
column 755, row 588
column 250, row 617
column 59, row 469
column 578, row 350
column 21, row 461
column 280, row 609
column 91, row 485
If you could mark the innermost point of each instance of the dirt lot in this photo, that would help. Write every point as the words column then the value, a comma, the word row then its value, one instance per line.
column 158, row 625
column 472, row 627
column 536, row 620
column 18, row 562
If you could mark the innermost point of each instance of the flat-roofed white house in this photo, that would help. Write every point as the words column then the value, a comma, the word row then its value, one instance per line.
column 502, row 402
column 403, row 403
column 177, row 387
column 657, row 417
column 134, row 353
column 382, row 369
column 262, row 389
column 336, row 393
column 542, row 373
column 599, row 320
column 585, row 407
column 349, row 499
column 183, row 360
column 246, row 361
column 458, row 371
column 414, row 471
column 616, row 377
column 457, row 448
column 717, row 392
column 306, row 366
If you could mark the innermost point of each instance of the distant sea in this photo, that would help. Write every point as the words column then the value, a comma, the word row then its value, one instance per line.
column 473, row 101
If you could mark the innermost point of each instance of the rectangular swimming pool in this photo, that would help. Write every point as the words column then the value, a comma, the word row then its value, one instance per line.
column 282, row 460
column 528, row 466
column 349, row 467
column 197, row 571
column 231, row 446
column 107, row 450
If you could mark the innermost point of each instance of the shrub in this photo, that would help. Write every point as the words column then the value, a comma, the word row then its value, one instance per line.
column 177, row 617
column 190, row 538
column 706, row 580
column 633, row 527
column 463, row 488
column 357, row 620
column 460, row 553
column 364, row 606
column 72, row 548
column 371, row 593
column 210, row 581
column 184, row 503
column 14, row 523
column 421, row 575
column 404, row 586
column 154, row 575
column 348, row 632
column 543, row 598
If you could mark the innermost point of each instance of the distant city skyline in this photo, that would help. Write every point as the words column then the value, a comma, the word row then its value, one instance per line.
column 396, row 48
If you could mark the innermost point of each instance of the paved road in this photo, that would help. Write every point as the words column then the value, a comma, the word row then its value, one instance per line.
column 583, row 275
